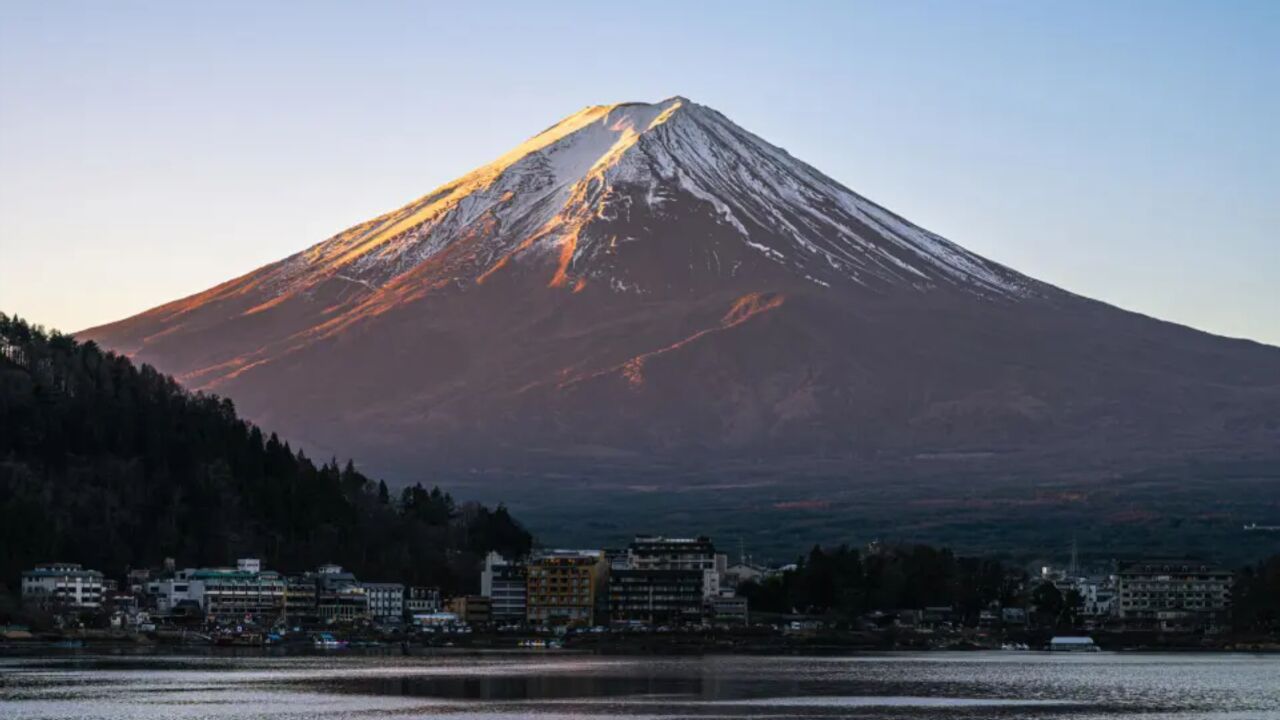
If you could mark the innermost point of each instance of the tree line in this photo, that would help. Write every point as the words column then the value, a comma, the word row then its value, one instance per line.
column 115, row 465
column 845, row 583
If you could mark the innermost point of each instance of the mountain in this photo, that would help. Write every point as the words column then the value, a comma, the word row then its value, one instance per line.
column 645, row 286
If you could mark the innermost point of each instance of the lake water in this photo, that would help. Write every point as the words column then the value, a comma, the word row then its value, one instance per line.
column 899, row 685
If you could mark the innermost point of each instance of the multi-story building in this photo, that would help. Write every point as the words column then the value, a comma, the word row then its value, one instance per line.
column 344, row 604
column 386, row 601
column 229, row 595
column 730, row 610
column 505, row 583
column 420, row 600
column 301, row 600
column 66, row 585
column 339, row 595
column 1172, row 592
column 472, row 609
column 223, row 594
column 656, row 597
column 564, row 587
column 654, row 552
column 167, row 592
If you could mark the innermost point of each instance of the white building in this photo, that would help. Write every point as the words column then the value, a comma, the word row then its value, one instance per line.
column 1097, row 596
column 222, row 593
column 742, row 572
column 505, row 584
column 1097, row 593
column 62, row 584
column 386, row 601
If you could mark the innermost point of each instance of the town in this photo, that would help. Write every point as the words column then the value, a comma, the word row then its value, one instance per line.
column 658, row 592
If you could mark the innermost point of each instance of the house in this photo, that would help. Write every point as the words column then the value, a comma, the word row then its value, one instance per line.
column 742, row 572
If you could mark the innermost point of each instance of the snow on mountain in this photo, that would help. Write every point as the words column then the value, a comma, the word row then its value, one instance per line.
column 545, row 196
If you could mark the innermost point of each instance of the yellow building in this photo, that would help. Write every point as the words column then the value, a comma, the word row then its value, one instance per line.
column 565, row 586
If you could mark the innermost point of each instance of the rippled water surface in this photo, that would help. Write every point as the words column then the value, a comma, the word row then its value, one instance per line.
column 935, row 685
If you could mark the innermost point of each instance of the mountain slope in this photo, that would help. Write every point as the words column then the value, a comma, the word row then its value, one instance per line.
column 650, row 282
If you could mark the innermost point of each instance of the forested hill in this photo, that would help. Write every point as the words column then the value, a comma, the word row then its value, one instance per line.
column 116, row 466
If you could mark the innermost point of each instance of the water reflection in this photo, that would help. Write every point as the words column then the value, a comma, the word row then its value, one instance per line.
column 986, row 685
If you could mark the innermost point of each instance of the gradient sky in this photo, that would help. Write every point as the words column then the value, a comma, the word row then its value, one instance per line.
column 1126, row 151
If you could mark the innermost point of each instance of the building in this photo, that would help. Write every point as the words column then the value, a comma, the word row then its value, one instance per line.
column 472, row 609
column 1155, row 592
column 741, row 572
column 505, row 583
column 340, row 598
column 343, row 605
column 656, row 597
column 223, row 594
column 419, row 600
column 730, row 610
column 1097, row 591
column 231, row 595
column 386, row 602
column 166, row 593
column 564, row 587
column 62, row 585
column 1014, row 616
column 1097, row 597
column 655, row 552
column 136, row 580
column 301, row 600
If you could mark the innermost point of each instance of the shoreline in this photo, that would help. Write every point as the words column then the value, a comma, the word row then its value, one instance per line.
column 485, row 645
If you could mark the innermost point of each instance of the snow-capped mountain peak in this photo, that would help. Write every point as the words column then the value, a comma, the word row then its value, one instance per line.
column 605, row 175
column 647, row 281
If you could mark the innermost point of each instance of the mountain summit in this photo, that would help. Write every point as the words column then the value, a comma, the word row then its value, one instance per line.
column 643, row 282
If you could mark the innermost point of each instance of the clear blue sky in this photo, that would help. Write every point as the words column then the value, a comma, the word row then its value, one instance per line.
column 1127, row 151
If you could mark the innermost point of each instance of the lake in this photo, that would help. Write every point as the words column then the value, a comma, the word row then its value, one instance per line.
column 555, row 685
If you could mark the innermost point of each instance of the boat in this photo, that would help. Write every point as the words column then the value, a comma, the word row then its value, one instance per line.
column 326, row 641
column 1073, row 643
